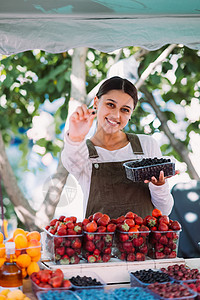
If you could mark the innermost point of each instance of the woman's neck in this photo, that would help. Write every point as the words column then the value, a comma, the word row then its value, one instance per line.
column 110, row 141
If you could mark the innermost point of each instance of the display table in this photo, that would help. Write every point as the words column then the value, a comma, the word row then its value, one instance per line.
column 115, row 273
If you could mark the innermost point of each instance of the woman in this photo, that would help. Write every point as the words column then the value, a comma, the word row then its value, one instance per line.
column 98, row 163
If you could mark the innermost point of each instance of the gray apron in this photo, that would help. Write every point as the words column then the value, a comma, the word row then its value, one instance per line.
column 111, row 192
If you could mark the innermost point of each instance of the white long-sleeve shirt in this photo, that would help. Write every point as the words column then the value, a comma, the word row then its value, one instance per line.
column 75, row 158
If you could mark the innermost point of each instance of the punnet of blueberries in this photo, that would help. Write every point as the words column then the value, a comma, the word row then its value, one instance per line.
column 144, row 169
column 150, row 276
column 85, row 281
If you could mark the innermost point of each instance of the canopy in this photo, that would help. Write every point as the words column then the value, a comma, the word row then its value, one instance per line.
column 106, row 25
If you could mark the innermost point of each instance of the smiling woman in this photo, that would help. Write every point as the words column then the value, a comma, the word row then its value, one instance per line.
column 97, row 163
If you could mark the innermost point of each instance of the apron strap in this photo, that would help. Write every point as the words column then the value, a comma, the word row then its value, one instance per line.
column 133, row 139
column 92, row 150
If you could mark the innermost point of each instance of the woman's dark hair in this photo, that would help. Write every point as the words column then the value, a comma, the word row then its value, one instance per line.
column 118, row 83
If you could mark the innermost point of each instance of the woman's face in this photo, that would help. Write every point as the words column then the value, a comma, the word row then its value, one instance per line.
column 114, row 110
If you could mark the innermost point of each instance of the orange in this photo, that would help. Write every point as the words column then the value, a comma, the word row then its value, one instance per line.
column 20, row 241
column 24, row 272
column 34, row 248
column 2, row 297
column 1, row 237
column 2, row 260
column 36, row 258
column 33, row 267
column 23, row 260
column 2, row 250
column 18, row 231
column 33, row 235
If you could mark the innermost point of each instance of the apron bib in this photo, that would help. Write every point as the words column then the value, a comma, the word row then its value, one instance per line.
column 111, row 192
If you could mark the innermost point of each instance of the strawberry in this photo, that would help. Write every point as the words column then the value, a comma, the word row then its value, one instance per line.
column 138, row 220
column 67, row 243
column 74, row 259
column 61, row 218
column 104, row 220
column 65, row 260
column 74, row 219
column 89, row 237
column 129, row 222
column 66, row 283
column 91, row 227
column 90, row 218
column 159, row 247
column 100, row 245
column 97, row 215
column 58, row 273
column 76, row 243
column 106, row 257
column 163, row 227
column 120, row 219
column 85, row 222
column 53, row 222
column 123, row 227
column 71, row 232
column 101, row 229
column 96, row 252
column 90, row 246
column 138, row 242
column 144, row 249
column 122, row 256
column 58, row 241
column 127, row 246
column 167, row 251
column 130, row 257
column 47, row 227
column 62, row 230
column 107, row 250
column 91, row 258
column 108, row 238
column 69, row 251
column 130, row 215
column 140, row 256
column 175, row 225
column 70, row 225
column 171, row 245
column 150, row 221
column 45, row 276
column 111, row 227
column 163, row 240
column 52, row 230
column 164, row 219
column 157, row 235
column 60, row 250
column 78, row 227
column 156, row 213
column 172, row 254
column 159, row 255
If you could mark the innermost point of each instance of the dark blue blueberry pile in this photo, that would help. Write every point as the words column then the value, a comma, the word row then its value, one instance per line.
column 85, row 281
column 150, row 162
column 151, row 276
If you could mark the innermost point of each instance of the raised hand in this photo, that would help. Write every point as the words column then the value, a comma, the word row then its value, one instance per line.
column 80, row 123
column 162, row 179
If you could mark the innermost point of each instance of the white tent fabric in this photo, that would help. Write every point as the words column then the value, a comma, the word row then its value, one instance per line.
column 106, row 25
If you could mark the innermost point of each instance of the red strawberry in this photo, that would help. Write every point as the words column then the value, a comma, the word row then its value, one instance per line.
column 67, row 243
column 106, row 257
column 163, row 240
column 138, row 220
column 107, row 250
column 101, row 229
column 52, row 230
column 56, row 281
column 120, row 219
column 65, row 260
column 74, row 259
column 96, row 252
column 156, row 213
column 58, row 241
column 90, row 218
column 159, row 247
column 62, row 230
column 100, row 245
column 163, row 227
column 122, row 256
column 150, row 221
column 130, row 257
column 90, row 246
column 70, row 225
column 167, row 251
column 127, row 246
column 123, row 227
column 157, row 235
column 144, row 249
column 76, row 244
column 129, row 222
column 130, row 215
column 69, row 251
column 85, row 222
column 66, row 283
column 53, row 222
column 91, row 258
column 104, row 220
column 159, row 255
column 61, row 218
column 97, row 215
column 138, row 242
column 172, row 245
column 47, row 227
column 164, row 219
column 91, row 227
column 111, row 227
column 71, row 232
column 60, row 250
column 89, row 236
column 140, row 256
column 172, row 254
column 175, row 225
column 78, row 227
column 108, row 238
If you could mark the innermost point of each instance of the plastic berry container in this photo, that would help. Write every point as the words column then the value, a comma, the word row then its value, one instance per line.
column 135, row 281
column 191, row 295
column 144, row 169
column 91, row 294
column 63, row 250
column 56, row 295
column 86, row 278
column 97, row 246
column 163, row 244
column 136, row 293
column 131, row 246
column 36, row 288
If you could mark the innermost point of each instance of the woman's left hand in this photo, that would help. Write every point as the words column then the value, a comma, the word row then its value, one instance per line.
column 161, row 180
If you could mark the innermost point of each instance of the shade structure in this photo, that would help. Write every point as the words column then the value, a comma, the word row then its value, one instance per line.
column 105, row 25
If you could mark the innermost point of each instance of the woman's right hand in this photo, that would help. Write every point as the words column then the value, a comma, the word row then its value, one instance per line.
column 80, row 123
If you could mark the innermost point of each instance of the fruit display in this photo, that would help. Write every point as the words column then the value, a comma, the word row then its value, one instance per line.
column 131, row 238
column 164, row 236
column 182, row 273
column 98, row 238
column 48, row 279
column 144, row 169
column 92, row 281
column 64, row 240
column 172, row 290
column 27, row 250
column 146, row 277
